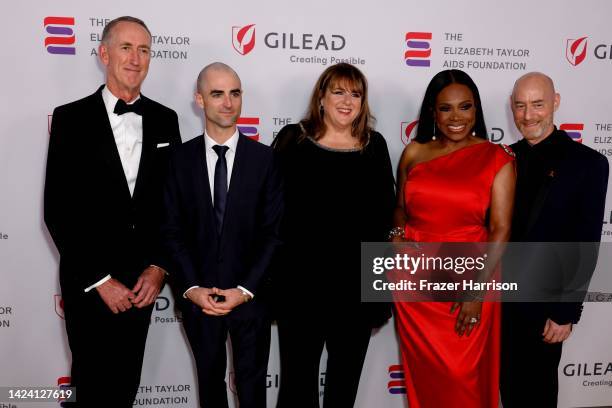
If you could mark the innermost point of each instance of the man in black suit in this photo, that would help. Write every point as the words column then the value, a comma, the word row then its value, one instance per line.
column 223, row 203
column 107, row 156
column 560, row 197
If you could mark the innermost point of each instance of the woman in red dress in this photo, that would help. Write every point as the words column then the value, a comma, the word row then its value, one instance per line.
column 453, row 186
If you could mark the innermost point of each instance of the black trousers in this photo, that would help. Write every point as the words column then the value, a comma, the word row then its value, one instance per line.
column 529, row 366
column 249, row 332
column 107, row 351
column 302, row 335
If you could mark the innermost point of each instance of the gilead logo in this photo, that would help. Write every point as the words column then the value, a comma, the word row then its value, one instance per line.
column 600, row 368
column 59, row 305
column 243, row 39
column 406, row 131
column 575, row 50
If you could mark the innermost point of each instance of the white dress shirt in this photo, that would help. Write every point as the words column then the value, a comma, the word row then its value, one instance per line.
column 127, row 130
column 211, row 162
column 211, row 159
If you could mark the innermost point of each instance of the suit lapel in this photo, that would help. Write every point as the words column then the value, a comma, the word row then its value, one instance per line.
column 552, row 176
column 148, row 149
column 538, row 204
column 237, row 185
column 201, row 187
column 105, row 141
column 202, row 184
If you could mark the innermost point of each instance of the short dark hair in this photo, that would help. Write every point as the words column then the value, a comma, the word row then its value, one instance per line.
column 108, row 28
column 338, row 74
column 441, row 80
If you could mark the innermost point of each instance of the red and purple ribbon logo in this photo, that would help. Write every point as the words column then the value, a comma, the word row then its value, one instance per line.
column 573, row 130
column 61, row 35
column 397, row 384
column 248, row 127
column 419, row 49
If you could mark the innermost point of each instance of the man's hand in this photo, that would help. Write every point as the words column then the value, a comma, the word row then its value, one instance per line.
column 147, row 286
column 116, row 295
column 556, row 333
column 205, row 299
column 233, row 297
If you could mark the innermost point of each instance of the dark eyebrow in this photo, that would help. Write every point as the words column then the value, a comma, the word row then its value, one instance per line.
column 215, row 91
column 460, row 103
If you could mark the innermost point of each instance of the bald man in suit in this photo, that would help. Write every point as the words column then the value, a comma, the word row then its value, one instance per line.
column 560, row 197
column 224, row 202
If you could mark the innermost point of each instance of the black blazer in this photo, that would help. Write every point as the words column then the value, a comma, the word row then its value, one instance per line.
column 97, row 226
column 568, row 207
column 242, row 253
column 570, row 203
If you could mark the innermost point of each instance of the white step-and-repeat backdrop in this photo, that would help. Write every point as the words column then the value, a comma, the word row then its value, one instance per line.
column 279, row 48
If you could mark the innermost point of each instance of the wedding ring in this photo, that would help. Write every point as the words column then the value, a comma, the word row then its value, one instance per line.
column 473, row 320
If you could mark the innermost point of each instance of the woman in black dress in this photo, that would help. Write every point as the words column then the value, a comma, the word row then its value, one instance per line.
column 339, row 190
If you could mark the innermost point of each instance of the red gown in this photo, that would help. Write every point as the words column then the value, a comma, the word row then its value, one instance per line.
column 446, row 200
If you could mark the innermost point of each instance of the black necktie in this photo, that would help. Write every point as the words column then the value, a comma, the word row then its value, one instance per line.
column 121, row 107
column 220, row 184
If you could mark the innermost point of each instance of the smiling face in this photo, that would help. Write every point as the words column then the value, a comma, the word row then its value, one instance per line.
column 220, row 95
column 126, row 55
column 455, row 112
column 341, row 105
column 534, row 103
